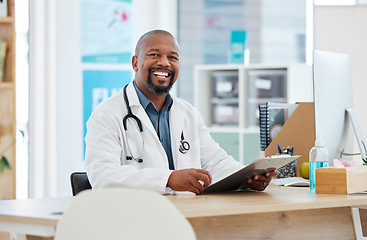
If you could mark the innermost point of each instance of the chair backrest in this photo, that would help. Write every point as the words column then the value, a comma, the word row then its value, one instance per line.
column 79, row 182
column 120, row 213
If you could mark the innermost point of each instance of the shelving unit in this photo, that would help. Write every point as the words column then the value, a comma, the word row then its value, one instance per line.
column 228, row 97
column 7, row 106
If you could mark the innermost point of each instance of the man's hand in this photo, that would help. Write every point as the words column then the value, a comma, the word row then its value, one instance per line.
column 260, row 182
column 188, row 180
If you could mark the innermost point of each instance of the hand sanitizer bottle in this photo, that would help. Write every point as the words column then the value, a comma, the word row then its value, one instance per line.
column 318, row 158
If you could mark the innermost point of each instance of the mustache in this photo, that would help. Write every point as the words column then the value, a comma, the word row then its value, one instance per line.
column 164, row 69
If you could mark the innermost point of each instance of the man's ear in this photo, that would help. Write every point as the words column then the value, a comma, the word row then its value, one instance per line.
column 134, row 63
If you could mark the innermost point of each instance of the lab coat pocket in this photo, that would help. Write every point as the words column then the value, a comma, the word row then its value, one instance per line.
column 191, row 157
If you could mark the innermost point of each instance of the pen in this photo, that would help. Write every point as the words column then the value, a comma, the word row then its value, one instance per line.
column 279, row 149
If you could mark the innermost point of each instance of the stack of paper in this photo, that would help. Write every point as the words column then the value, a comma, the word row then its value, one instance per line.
column 291, row 182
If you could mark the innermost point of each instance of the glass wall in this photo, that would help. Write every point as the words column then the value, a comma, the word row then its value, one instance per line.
column 275, row 33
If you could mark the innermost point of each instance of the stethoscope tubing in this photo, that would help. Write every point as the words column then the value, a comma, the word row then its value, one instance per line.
column 124, row 122
column 184, row 145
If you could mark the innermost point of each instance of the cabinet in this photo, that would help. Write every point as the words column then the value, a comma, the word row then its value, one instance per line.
column 228, row 97
column 7, row 105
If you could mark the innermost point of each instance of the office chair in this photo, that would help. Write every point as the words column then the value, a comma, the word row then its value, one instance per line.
column 122, row 213
column 79, row 182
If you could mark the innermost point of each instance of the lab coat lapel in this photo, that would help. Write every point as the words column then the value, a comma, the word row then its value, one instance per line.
column 177, row 120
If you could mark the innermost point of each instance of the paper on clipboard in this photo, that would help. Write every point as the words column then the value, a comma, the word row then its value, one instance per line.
column 259, row 166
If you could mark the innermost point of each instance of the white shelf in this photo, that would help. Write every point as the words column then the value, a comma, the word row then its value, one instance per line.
column 297, row 88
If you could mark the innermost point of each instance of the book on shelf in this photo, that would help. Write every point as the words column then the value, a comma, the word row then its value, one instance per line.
column 272, row 118
column 3, row 48
column 3, row 8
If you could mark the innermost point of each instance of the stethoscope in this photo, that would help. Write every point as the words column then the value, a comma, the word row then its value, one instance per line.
column 184, row 145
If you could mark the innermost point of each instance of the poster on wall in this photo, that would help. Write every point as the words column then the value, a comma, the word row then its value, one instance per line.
column 106, row 31
column 99, row 85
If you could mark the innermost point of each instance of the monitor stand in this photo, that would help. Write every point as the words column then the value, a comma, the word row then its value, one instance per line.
column 357, row 131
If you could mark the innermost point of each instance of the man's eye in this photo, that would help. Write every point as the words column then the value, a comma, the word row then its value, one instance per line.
column 174, row 58
column 153, row 55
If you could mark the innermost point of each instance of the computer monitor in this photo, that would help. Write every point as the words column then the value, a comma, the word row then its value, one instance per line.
column 333, row 94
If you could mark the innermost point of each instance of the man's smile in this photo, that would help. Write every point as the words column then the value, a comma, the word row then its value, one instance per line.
column 162, row 74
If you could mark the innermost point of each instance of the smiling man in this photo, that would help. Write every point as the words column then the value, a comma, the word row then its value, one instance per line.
column 144, row 138
column 156, row 65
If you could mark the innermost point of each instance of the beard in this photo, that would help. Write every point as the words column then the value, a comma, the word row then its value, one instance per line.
column 157, row 89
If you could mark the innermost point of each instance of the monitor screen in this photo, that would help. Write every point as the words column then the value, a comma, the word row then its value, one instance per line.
column 332, row 95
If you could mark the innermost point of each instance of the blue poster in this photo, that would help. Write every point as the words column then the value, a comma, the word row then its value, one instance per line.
column 99, row 85
column 106, row 31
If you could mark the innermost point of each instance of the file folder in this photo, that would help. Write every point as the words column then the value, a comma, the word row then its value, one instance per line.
column 297, row 131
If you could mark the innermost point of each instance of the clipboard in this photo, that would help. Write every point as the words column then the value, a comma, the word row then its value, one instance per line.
column 259, row 166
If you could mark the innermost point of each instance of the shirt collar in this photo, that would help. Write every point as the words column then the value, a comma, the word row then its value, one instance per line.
column 145, row 101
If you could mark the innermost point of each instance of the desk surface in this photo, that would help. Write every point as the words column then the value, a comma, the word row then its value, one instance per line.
column 34, row 211
column 274, row 199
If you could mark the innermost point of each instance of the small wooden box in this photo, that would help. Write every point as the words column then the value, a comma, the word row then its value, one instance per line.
column 341, row 180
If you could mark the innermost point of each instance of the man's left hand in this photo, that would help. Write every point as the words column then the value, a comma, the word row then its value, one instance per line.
column 260, row 182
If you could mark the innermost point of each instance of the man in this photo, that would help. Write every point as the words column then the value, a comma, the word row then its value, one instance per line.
column 144, row 138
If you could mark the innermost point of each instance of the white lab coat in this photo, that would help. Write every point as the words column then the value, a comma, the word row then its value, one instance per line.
column 106, row 146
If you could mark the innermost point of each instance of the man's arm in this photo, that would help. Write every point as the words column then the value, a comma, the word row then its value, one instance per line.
column 105, row 159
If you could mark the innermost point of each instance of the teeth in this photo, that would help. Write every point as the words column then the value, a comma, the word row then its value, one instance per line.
column 161, row 74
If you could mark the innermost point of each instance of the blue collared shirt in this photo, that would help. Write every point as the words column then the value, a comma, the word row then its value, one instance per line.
column 160, row 121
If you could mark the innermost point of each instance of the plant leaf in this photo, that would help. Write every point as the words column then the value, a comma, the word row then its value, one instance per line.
column 6, row 162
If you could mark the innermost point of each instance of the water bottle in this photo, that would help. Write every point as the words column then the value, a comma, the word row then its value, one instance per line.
column 318, row 158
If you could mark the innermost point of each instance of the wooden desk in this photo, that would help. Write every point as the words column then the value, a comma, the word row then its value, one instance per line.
column 277, row 213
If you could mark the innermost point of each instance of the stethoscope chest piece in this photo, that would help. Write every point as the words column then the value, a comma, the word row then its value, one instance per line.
column 184, row 145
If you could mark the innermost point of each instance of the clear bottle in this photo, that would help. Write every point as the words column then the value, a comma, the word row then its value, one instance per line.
column 319, row 157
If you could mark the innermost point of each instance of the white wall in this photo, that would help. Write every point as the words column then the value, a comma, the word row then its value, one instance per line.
column 343, row 29
column 69, row 94
column 42, row 104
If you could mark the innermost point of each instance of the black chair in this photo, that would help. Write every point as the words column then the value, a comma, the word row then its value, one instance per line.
column 79, row 182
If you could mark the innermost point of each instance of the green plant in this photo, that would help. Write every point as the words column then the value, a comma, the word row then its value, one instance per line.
column 364, row 161
column 4, row 163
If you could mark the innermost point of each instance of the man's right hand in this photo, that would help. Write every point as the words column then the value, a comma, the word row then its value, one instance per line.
column 188, row 180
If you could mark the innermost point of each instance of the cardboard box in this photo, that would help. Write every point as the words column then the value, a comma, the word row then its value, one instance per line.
column 341, row 180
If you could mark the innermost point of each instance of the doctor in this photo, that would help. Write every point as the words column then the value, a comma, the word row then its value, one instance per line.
column 144, row 138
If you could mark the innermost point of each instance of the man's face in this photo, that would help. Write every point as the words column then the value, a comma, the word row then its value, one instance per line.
column 156, row 64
